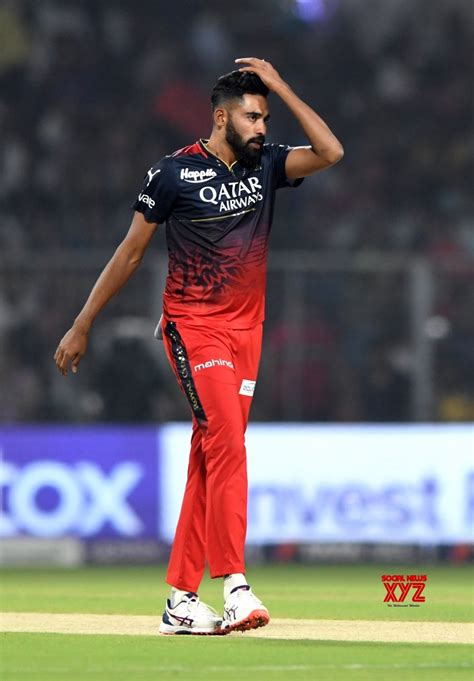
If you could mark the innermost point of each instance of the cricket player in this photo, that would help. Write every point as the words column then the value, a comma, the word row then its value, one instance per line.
column 216, row 198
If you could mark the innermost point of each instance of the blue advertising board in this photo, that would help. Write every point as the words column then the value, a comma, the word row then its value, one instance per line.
column 87, row 482
column 307, row 483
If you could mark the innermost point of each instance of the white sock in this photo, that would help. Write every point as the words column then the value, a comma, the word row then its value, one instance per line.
column 176, row 596
column 232, row 581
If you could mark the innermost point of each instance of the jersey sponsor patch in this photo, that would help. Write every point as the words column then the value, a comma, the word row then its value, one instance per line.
column 247, row 388
column 197, row 176
column 144, row 198
column 233, row 195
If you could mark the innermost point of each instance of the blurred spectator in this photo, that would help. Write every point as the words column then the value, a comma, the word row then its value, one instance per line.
column 128, row 379
column 301, row 368
column 385, row 389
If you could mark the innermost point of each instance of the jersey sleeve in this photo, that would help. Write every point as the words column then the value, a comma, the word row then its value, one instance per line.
column 158, row 193
column 279, row 152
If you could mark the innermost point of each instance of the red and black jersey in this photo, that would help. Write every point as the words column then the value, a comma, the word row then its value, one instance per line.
column 218, row 221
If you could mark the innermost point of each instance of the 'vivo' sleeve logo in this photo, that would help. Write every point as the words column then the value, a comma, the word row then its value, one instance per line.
column 50, row 499
column 144, row 198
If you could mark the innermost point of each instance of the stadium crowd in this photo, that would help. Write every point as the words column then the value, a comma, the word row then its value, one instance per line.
column 91, row 93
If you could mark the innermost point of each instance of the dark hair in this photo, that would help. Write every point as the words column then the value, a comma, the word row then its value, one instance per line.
column 235, row 85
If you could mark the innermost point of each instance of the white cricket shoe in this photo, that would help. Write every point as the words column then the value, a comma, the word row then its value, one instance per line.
column 244, row 611
column 190, row 616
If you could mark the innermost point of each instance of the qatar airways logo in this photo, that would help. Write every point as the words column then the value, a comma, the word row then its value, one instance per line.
column 197, row 176
column 213, row 363
column 233, row 195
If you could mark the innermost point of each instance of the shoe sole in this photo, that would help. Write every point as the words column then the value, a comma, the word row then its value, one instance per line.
column 187, row 632
column 256, row 619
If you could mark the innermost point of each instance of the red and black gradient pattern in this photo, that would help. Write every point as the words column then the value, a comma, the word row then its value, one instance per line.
column 218, row 220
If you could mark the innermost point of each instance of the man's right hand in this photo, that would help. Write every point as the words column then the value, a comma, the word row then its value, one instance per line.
column 71, row 349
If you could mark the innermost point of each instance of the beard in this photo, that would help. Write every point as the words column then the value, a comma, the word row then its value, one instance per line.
column 247, row 155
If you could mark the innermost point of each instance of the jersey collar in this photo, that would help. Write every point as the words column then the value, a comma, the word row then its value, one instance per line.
column 206, row 149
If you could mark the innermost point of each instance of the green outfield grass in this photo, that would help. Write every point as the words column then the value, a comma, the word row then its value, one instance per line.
column 300, row 591
column 43, row 657
column 321, row 592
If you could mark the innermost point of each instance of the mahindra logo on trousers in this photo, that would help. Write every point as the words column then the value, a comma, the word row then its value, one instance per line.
column 213, row 363
column 144, row 198
column 197, row 176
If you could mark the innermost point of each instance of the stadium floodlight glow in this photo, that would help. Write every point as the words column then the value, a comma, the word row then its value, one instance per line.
column 437, row 327
column 313, row 10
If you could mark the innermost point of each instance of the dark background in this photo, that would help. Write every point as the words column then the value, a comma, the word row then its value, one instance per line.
column 376, row 327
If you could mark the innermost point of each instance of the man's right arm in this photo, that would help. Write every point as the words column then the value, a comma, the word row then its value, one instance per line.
column 116, row 273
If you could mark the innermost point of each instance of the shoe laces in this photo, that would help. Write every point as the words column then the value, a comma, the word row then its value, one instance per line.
column 194, row 604
column 246, row 592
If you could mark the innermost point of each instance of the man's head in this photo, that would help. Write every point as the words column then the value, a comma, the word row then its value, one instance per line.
column 239, row 104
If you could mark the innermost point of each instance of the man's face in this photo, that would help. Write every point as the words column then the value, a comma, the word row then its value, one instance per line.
column 246, row 127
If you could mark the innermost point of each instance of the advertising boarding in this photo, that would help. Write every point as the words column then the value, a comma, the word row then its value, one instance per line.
column 307, row 483
column 89, row 482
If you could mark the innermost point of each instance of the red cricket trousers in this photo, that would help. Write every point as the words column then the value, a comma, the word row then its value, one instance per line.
column 217, row 370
